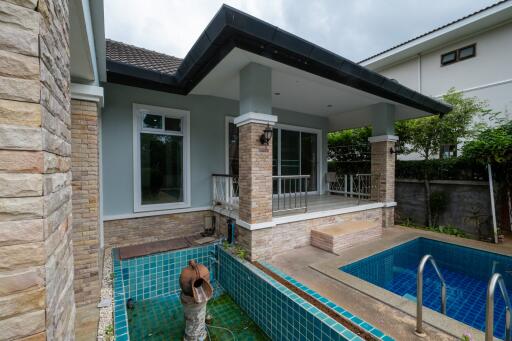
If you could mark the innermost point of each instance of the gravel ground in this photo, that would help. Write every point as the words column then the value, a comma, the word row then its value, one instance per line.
column 106, row 319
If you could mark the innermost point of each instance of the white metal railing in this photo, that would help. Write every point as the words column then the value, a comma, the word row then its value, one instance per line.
column 496, row 279
column 362, row 186
column 225, row 190
column 291, row 192
column 419, row 292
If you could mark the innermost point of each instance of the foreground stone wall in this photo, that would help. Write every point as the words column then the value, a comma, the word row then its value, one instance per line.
column 269, row 242
column 36, row 272
column 85, row 183
column 464, row 199
column 134, row 231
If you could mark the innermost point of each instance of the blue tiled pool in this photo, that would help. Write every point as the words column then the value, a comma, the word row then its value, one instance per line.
column 465, row 270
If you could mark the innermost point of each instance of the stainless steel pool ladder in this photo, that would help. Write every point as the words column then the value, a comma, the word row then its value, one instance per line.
column 419, row 289
column 496, row 279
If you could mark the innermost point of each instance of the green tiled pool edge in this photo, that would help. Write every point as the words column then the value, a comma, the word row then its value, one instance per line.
column 279, row 312
column 331, row 305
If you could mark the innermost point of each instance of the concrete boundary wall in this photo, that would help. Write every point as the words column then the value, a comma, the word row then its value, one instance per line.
column 466, row 199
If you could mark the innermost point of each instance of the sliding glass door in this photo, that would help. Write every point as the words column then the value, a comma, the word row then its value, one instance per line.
column 294, row 152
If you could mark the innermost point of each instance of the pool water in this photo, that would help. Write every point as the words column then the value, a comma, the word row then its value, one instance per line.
column 465, row 270
column 161, row 318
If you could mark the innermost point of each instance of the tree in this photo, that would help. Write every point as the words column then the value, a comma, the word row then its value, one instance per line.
column 494, row 146
column 426, row 135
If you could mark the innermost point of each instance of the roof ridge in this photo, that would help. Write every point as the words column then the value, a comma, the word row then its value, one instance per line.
column 435, row 29
column 109, row 40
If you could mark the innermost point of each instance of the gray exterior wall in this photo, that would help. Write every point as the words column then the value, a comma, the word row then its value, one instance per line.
column 487, row 76
column 465, row 198
column 207, row 141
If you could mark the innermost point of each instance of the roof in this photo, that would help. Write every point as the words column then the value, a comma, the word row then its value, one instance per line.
column 145, row 59
column 232, row 28
column 435, row 30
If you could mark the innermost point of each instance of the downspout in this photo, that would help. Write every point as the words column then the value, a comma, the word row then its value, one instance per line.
column 419, row 73
column 493, row 209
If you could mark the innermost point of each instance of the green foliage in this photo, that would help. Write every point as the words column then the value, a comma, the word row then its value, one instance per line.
column 349, row 145
column 109, row 332
column 426, row 135
column 446, row 229
column 441, row 169
column 236, row 250
column 493, row 145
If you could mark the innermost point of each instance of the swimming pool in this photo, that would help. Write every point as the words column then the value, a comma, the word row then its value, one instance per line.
column 465, row 270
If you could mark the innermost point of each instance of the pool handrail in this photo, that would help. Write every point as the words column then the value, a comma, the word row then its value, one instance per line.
column 419, row 290
column 496, row 279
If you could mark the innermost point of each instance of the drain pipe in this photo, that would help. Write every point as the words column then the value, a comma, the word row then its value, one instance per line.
column 493, row 208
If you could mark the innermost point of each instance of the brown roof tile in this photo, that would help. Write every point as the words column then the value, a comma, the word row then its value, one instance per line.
column 142, row 58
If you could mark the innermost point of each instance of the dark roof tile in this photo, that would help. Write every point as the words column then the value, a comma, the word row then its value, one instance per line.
column 142, row 58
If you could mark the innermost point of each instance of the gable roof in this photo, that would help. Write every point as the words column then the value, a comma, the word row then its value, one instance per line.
column 232, row 28
column 452, row 23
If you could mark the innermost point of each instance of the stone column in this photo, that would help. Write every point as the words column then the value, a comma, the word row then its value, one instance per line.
column 36, row 272
column 383, row 171
column 85, row 182
column 383, row 158
column 255, row 172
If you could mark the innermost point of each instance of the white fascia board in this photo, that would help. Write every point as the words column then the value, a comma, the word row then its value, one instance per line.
column 382, row 138
column 85, row 92
column 421, row 44
column 254, row 117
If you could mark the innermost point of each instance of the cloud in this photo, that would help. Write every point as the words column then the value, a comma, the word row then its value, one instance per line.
column 354, row 29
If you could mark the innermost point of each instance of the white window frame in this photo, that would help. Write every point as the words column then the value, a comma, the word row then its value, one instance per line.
column 279, row 126
column 138, row 110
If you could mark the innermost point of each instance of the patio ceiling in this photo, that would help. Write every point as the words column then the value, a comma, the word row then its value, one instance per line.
column 297, row 90
column 309, row 78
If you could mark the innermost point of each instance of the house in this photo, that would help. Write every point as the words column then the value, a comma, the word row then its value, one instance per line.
column 105, row 144
column 471, row 54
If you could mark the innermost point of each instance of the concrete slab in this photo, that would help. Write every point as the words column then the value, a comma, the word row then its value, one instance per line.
column 389, row 312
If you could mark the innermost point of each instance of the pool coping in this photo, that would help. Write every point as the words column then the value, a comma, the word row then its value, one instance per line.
column 351, row 318
column 442, row 322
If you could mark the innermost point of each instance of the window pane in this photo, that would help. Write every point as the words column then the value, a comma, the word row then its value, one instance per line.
column 152, row 121
column 172, row 124
column 290, row 158
column 161, row 168
column 309, row 157
column 467, row 52
column 233, row 149
column 448, row 57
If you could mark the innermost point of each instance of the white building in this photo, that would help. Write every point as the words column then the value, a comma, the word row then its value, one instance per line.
column 472, row 54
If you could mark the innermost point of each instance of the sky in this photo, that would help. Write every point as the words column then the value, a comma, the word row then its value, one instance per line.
column 355, row 29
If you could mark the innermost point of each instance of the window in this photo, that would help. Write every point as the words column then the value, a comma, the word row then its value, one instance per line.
column 447, row 151
column 161, row 158
column 458, row 55
column 449, row 58
column 467, row 52
column 295, row 151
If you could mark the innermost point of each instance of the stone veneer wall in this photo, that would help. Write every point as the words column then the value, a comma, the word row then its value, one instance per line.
column 36, row 271
column 269, row 242
column 85, row 183
column 133, row 231
column 383, row 163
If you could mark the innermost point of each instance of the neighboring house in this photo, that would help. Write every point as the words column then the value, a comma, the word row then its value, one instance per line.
column 140, row 135
column 472, row 54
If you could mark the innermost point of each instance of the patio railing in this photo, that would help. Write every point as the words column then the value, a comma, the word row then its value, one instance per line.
column 361, row 186
column 290, row 193
column 225, row 190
